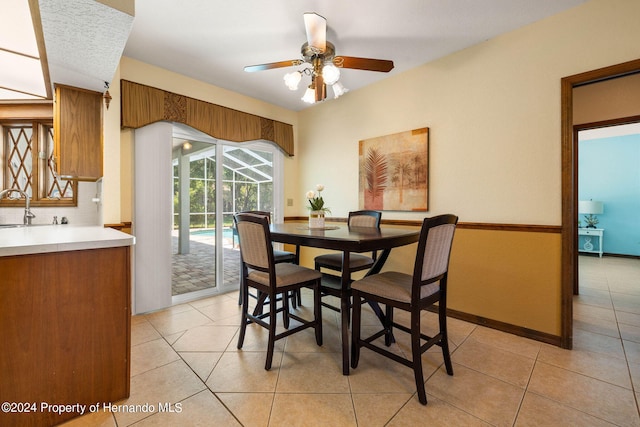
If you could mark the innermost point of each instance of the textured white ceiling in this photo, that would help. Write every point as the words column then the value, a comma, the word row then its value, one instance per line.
column 84, row 40
column 212, row 40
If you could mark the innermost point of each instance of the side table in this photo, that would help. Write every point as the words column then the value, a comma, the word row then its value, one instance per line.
column 590, row 233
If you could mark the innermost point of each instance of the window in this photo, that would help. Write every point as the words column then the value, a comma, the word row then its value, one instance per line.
column 247, row 184
column 247, row 179
column 28, row 165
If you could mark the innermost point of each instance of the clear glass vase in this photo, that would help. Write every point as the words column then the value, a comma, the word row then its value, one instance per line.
column 316, row 219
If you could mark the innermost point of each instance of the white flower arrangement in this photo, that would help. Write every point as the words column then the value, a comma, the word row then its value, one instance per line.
column 316, row 201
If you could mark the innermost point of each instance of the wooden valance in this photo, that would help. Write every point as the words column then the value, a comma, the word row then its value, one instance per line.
column 143, row 105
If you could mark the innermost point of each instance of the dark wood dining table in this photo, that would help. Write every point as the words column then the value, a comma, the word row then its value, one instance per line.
column 341, row 237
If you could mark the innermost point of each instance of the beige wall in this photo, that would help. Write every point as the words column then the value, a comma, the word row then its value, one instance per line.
column 610, row 99
column 112, row 184
column 493, row 111
column 118, row 150
column 494, row 116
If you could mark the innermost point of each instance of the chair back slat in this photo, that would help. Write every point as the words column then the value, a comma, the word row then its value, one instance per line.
column 254, row 240
column 364, row 219
column 436, row 255
column 434, row 248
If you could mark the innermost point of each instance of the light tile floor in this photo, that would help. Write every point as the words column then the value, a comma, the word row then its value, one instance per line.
column 187, row 356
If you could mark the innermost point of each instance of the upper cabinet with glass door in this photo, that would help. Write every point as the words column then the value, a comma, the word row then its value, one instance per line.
column 78, row 133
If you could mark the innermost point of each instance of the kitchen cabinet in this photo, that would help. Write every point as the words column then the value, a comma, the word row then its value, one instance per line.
column 77, row 132
column 65, row 322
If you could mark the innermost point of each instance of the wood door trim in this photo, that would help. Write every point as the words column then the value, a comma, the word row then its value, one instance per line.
column 569, row 275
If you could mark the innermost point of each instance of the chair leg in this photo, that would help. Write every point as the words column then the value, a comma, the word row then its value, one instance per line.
column 241, row 285
column 245, row 310
column 261, row 297
column 317, row 312
column 355, row 330
column 444, row 340
column 417, row 355
column 272, row 331
column 296, row 298
column 285, row 309
column 344, row 316
column 388, row 325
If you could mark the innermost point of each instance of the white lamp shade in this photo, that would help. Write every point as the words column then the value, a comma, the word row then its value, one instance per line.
column 330, row 73
column 590, row 207
column 338, row 90
column 309, row 96
column 292, row 80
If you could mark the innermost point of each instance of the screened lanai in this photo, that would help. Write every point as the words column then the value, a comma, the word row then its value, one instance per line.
column 203, row 216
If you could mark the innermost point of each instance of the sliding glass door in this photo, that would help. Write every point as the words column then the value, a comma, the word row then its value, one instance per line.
column 194, row 218
column 205, row 255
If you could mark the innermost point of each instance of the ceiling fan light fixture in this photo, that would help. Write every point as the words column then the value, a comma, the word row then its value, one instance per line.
column 310, row 95
column 338, row 90
column 318, row 57
column 331, row 73
column 291, row 80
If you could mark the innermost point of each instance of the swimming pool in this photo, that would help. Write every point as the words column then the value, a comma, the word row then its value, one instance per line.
column 227, row 233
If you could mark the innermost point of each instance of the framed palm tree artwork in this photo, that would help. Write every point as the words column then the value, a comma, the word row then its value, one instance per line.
column 394, row 172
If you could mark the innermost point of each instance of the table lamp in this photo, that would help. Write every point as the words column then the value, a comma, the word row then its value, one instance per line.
column 590, row 209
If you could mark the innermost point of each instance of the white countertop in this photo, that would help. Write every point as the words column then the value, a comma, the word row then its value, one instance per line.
column 58, row 238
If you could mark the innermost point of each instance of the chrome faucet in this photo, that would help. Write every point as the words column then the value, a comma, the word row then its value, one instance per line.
column 28, row 215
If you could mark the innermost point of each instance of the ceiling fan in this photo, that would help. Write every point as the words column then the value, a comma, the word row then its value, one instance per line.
column 325, row 65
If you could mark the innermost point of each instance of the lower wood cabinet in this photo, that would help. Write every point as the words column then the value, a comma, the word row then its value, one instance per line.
column 65, row 323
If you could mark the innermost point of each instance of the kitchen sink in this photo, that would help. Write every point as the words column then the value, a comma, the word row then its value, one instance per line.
column 20, row 225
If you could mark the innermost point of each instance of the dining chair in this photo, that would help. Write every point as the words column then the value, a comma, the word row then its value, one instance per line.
column 332, row 284
column 357, row 262
column 279, row 256
column 261, row 272
column 411, row 293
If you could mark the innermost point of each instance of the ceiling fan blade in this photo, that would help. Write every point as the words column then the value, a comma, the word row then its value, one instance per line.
column 382, row 65
column 270, row 65
column 316, row 27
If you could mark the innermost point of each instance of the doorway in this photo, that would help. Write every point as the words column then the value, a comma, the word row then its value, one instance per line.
column 607, row 179
column 212, row 180
column 570, row 187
